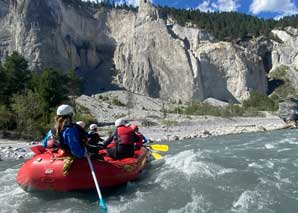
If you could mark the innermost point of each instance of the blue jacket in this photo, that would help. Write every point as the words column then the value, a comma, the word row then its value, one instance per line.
column 71, row 139
column 44, row 141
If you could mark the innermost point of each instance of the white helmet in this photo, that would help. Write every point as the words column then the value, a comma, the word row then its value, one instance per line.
column 93, row 127
column 65, row 110
column 81, row 123
column 120, row 122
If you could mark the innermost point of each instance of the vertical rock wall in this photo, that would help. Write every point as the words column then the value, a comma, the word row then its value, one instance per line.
column 146, row 55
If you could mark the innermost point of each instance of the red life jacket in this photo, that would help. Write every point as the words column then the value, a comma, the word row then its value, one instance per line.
column 126, row 135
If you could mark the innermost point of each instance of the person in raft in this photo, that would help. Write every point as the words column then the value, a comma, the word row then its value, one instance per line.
column 141, row 138
column 81, row 124
column 123, row 139
column 93, row 136
column 66, row 135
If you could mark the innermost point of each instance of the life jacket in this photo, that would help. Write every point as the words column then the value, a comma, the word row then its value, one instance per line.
column 126, row 135
column 57, row 141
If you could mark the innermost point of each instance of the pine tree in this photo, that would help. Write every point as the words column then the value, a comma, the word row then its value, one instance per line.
column 16, row 74
column 51, row 86
column 74, row 84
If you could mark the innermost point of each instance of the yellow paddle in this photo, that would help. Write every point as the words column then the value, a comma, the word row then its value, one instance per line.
column 159, row 147
column 156, row 156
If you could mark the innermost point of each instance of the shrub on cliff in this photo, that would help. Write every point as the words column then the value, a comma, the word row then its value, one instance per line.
column 259, row 102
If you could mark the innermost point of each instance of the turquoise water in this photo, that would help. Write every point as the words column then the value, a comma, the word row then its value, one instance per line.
column 240, row 173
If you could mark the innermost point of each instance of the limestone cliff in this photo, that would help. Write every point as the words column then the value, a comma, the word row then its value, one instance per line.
column 137, row 49
column 57, row 34
column 179, row 63
column 285, row 54
column 230, row 73
column 153, row 63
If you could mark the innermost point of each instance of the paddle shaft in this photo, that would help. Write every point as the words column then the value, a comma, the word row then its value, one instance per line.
column 95, row 181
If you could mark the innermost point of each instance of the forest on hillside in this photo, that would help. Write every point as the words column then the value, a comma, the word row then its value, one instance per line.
column 224, row 26
column 227, row 25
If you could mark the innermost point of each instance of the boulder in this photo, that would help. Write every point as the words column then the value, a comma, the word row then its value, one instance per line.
column 215, row 102
column 288, row 109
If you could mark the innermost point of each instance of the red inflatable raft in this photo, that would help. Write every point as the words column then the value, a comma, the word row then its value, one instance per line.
column 50, row 171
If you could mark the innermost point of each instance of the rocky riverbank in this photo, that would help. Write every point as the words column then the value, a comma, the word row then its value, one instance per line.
column 14, row 150
column 158, row 125
column 154, row 119
column 206, row 126
column 182, row 129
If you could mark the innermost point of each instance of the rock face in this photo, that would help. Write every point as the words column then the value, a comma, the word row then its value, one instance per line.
column 182, row 64
column 138, row 51
column 54, row 33
column 286, row 52
column 153, row 63
column 230, row 73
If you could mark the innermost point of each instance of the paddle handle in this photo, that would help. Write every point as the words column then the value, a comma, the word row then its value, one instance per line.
column 101, row 202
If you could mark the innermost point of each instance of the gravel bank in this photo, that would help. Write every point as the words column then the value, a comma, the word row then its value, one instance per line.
column 142, row 110
column 199, row 127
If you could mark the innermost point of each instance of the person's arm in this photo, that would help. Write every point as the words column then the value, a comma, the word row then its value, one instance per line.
column 72, row 139
column 145, row 140
column 44, row 141
column 109, row 139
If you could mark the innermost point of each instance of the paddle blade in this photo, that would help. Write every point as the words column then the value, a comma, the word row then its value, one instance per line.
column 103, row 206
column 160, row 147
column 156, row 156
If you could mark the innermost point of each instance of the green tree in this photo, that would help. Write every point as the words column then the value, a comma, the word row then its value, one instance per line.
column 74, row 83
column 29, row 115
column 51, row 87
column 5, row 117
column 3, row 86
column 17, row 73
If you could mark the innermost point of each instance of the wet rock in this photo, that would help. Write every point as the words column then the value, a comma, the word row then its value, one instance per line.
column 206, row 132
column 176, row 138
column 261, row 128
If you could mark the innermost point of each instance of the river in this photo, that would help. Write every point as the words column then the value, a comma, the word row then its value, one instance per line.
column 255, row 172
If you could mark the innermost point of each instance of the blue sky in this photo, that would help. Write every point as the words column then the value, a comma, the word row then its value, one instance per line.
column 261, row 8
